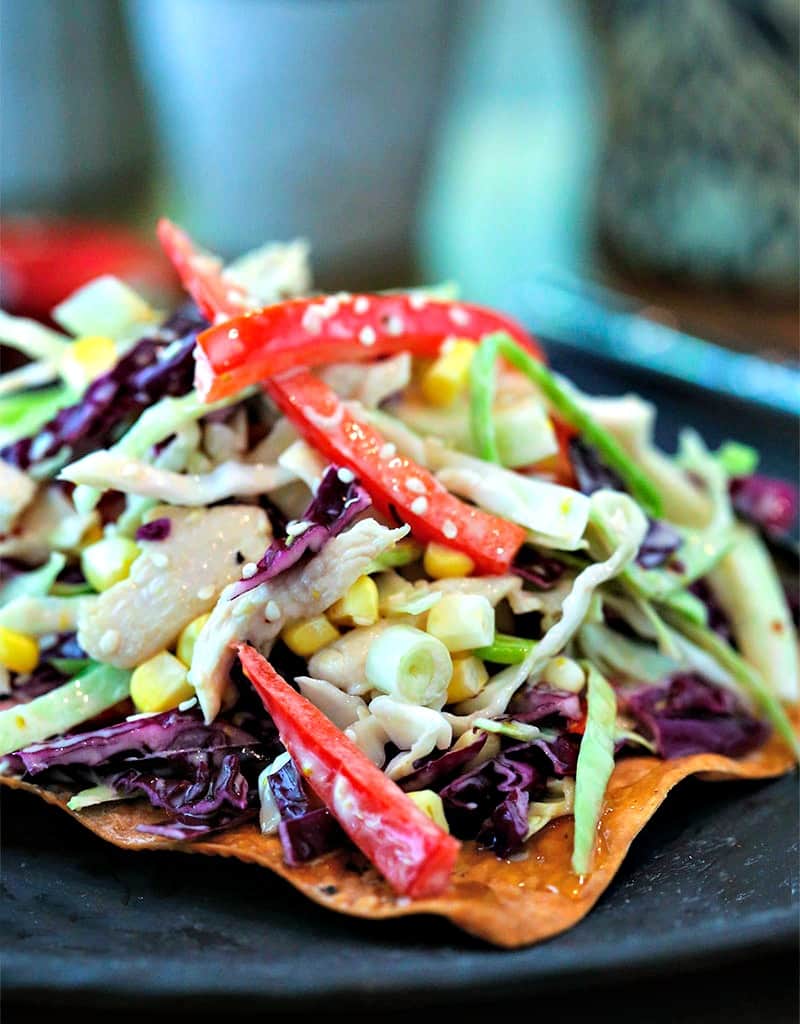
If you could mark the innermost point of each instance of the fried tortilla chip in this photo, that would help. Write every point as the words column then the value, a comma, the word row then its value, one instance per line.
column 507, row 902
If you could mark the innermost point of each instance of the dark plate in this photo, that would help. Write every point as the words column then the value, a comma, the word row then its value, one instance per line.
column 712, row 877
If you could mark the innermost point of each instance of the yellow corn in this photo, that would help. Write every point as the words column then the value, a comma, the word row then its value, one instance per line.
column 442, row 563
column 92, row 534
column 87, row 358
column 430, row 803
column 564, row 674
column 160, row 683
column 468, row 679
column 448, row 376
column 108, row 561
column 188, row 638
column 306, row 638
column 359, row 606
column 18, row 651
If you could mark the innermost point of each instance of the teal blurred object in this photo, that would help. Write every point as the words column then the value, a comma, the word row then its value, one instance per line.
column 587, row 317
column 511, row 177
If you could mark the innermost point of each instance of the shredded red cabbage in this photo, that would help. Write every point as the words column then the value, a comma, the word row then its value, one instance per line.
column 688, row 715
column 490, row 802
column 766, row 502
column 661, row 540
column 435, row 772
column 154, row 368
column 540, row 570
column 306, row 829
column 338, row 500
column 535, row 704
column 156, row 529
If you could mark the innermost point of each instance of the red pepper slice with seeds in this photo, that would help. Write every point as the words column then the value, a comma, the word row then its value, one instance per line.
column 399, row 487
column 332, row 329
column 413, row 854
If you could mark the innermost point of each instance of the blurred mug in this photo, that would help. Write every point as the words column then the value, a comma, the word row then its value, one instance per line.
column 280, row 119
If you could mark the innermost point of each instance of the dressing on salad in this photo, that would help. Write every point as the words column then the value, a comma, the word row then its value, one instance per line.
column 362, row 569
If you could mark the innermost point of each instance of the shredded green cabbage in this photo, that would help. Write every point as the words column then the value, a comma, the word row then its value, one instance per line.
column 595, row 765
column 560, row 396
column 56, row 712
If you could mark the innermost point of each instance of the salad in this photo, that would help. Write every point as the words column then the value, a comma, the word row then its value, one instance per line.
column 354, row 586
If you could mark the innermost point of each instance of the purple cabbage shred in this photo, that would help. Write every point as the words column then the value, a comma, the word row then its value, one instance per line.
column 766, row 502
column 688, row 715
column 334, row 506
column 154, row 368
column 156, row 529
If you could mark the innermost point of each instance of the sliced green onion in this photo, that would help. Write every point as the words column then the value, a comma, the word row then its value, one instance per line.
column 482, row 377
column 410, row 665
column 70, row 666
column 54, row 713
column 595, row 765
column 748, row 678
column 506, row 649
column 737, row 459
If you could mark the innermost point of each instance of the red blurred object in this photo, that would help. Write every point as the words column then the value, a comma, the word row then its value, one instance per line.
column 43, row 261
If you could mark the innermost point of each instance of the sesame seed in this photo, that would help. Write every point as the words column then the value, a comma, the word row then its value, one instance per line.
column 367, row 336
column 233, row 333
column 186, row 704
column 419, row 506
column 387, row 450
column 347, row 476
column 272, row 611
column 159, row 559
column 500, row 551
column 249, row 569
column 449, row 529
column 459, row 316
column 296, row 527
column 205, row 593
column 361, row 305
column 394, row 326
column 415, row 485
column 417, row 300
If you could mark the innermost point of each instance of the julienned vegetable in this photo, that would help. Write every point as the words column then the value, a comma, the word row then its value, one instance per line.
column 414, row 855
column 338, row 328
column 56, row 712
column 595, row 765
column 410, row 665
column 399, row 488
column 482, row 375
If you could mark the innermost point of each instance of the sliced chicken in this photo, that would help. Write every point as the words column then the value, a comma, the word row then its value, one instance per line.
column 16, row 492
column 259, row 614
column 172, row 582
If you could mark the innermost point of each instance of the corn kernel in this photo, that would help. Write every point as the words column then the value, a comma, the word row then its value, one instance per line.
column 18, row 651
column 358, row 607
column 108, row 561
column 564, row 674
column 462, row 621
column 188, row 638
column 442, row 563
column 308, row 637
column 430, row 803
column 448, row 377
column 87, row 358
column 160, row 683
column 91, row 535
column 468, row 679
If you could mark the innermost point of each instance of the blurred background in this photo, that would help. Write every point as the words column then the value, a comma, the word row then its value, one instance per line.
column 533, row 150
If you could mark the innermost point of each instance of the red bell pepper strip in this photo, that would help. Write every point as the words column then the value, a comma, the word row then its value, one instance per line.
column 317, row 331
column 201, row 274
column 414, row 855
column 397, row 486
